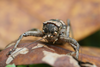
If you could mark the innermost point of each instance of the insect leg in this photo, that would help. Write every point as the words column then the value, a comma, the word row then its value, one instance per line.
column 32, row 32
column 69, row 29
column 73, row 43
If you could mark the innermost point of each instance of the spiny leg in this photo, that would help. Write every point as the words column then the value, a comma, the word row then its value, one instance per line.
column 32, row 32
column 73, row 43
column 69, row 29
column 76, row 48
column 72, row 53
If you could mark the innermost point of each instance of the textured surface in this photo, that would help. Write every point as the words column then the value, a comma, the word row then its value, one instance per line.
column 46, row 53
column 18, row 16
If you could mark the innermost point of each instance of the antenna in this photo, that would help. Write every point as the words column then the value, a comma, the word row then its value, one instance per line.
column 71, row 30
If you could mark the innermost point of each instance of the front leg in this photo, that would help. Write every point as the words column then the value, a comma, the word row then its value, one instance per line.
column 32, row 32
column 73, row 43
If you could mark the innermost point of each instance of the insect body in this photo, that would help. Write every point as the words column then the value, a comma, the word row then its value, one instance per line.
column 54, row 31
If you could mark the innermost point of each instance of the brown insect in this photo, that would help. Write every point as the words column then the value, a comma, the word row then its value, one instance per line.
column 54, row 31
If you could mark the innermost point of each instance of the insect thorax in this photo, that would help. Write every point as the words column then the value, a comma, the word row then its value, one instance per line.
column 58, row 23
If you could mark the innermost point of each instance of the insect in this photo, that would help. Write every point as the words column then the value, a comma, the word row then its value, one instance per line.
column 54, row 31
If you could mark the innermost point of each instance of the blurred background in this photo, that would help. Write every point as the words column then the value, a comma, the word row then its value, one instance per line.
column 18, row 16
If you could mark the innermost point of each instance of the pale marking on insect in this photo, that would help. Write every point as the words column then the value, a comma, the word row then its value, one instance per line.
column 32, row 32
column 39, row 45
column 50, row 58
column 16, row 53
column 58, row 24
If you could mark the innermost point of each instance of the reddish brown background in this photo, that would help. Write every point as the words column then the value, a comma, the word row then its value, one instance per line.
column 18, row 16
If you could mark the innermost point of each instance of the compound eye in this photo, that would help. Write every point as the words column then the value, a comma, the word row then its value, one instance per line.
column 55, row 33
column 45, row 30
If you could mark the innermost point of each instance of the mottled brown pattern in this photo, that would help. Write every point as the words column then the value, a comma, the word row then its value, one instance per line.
column 35, row 56
column 61, row 62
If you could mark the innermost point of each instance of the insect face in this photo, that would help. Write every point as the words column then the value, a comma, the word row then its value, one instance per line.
column 50, row 30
